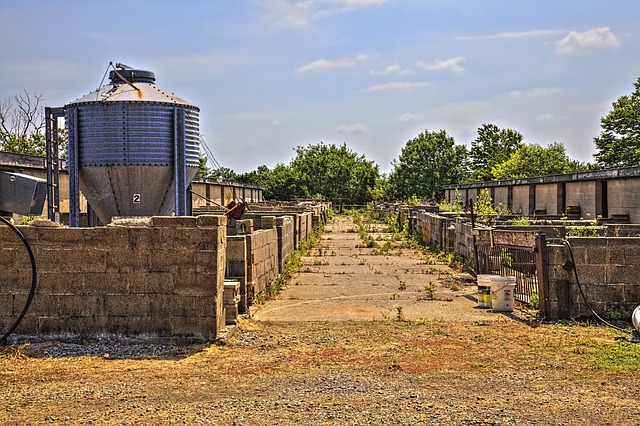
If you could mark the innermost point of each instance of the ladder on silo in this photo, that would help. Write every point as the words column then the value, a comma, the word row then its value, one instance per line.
column 52, row 136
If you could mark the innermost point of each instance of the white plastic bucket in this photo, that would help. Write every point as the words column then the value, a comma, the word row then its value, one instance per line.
column 484, row 290
column 503, row 293
column 635, row 318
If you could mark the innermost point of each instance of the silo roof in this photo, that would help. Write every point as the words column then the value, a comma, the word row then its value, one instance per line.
column 133, row 92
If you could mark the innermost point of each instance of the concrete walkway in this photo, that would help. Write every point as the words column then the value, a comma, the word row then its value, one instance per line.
column 340, row 280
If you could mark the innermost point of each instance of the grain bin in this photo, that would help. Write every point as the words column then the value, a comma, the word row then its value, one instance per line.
column 133, row 148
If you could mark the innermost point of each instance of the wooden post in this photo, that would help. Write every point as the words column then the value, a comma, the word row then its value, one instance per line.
column 473, row 231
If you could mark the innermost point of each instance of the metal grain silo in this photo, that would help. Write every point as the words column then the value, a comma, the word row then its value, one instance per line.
column 133, row 148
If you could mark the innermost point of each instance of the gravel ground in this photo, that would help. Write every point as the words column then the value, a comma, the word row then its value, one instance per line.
column 331, row 373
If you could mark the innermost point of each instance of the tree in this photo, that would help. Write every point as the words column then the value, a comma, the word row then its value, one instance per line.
column 225, row 173
column 281, row 183
column 618, row 145
column 203, row 170
column 534, row 160
column 425, row 164
column 492, row 147
column 22, row 125
column 333, row 172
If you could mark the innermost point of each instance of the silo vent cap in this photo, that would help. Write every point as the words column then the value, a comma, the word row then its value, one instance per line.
column 131, row 76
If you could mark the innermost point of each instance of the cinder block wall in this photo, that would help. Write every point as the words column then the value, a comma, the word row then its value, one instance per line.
column 582, row 194
column 433, row 229
column 262, row 269
column 501, row 196
column 547, row 198
column 256, row 258
column 164, row 280
column 623, row 196
column 284, row 228
column 237, row 266
column 521, row 200
column 301, row 222
column 608, row 270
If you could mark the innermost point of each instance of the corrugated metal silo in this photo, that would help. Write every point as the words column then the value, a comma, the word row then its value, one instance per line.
column 133, row 147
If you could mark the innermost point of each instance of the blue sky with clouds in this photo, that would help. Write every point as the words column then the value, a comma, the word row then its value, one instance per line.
column 270, row 75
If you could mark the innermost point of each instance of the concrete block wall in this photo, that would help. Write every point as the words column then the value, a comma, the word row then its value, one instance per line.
column 521, row 203
column 302, row 222
column 608, row 270
column 583, row 194
column 434, row 230
column 502, row 196
column 284, row 228
column 161, row 280
column 262, row 267
column 236, row 267
column 548, row 198
column 254, row 258
column 623, row 196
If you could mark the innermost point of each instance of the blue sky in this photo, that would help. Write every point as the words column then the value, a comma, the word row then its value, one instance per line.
column 270, row 75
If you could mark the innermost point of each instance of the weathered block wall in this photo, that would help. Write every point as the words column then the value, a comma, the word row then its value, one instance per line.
column 262, row 269
column 521, row 200
column 302, row 222
column 623, row 196
column 463, row 239
column 501, row 196
column 284, row 228
column 253, row 258
column 434, row 229
column 306, row 226
column 582, row 194
column 608, row 270
column 547, row 199
column 164, row 280
column 237, row 266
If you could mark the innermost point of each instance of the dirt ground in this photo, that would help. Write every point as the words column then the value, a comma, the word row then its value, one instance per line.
column 316, row 356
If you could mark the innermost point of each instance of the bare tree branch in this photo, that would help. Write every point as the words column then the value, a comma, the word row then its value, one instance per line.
column 22, row 124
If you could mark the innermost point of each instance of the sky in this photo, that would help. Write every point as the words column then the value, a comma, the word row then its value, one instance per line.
column 272, row 75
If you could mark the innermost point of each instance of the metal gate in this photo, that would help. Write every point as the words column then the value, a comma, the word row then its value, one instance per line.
column 527, row 264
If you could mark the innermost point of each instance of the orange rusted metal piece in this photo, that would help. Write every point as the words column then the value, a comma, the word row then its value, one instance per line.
column 236, row 210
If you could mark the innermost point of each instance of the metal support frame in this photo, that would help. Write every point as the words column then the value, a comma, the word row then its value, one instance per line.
column 179, row 162
column 72, row 161
column 52, row 139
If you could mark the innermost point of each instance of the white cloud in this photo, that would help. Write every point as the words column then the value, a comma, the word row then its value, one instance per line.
column 409, row 116
column 290, row 13
column 512, row 35
column 356, row 3
column 450, row 65
column 455, row 108
column 324, row 64
column 397, row 85
column 537, row 92
column 588, row 41
column 392, row 69
column 352, row 129
column 546, row 117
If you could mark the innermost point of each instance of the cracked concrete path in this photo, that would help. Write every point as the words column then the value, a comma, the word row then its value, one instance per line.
column 340, row 280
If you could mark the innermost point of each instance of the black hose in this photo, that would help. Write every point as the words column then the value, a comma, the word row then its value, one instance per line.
column 34, row 280
column 586, row 302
